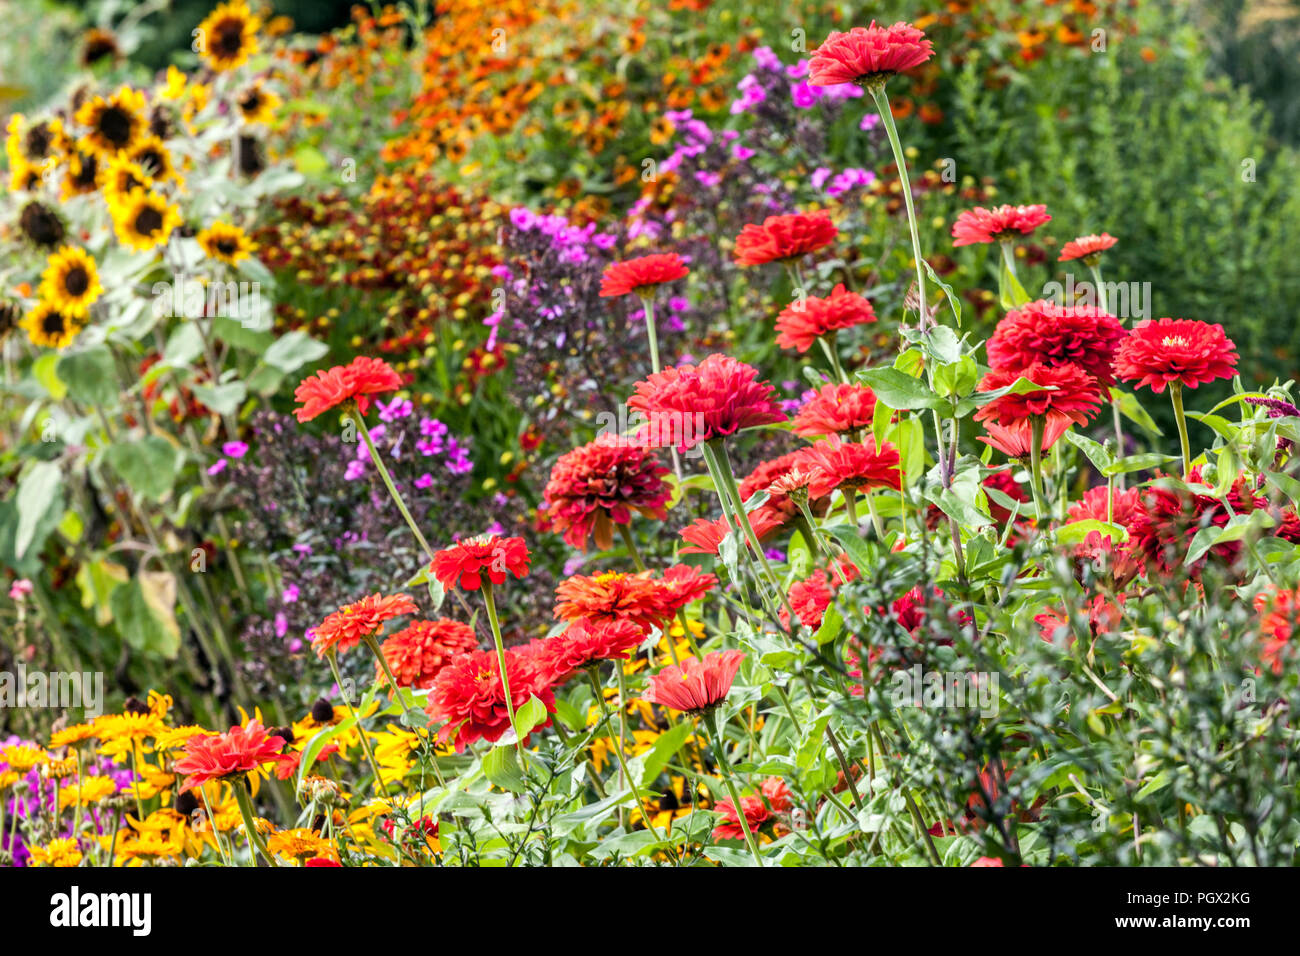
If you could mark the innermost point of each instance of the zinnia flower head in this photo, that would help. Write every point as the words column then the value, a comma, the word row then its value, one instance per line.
column 839, row 464
column 417, row 652
column 1055, row 335
column 682, row 584
column 599, row 485
column 1279, row 612
column 216, row 757
column 980, row 225
column 1087, row 248
column 356, row 381
column 614, row 596
column 1073, row 397
column 641, row 275
column 466, row 562
column 584, row 643
column 1158, row 352
column 345, row 628
column 781, row 238
column 801, row 322
column 836, row 409
column 690, row 404
column 468, row 698
column 756, row 814
column 695, row 687
column 867, row 55
column 705, row 536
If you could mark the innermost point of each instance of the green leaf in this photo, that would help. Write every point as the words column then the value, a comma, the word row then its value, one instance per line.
column 899, row 390
column 1285, row 484
column 36, row 493
column 90, row 374
column 222, row 399
column 44, row 370
column 293, row 350
column 831, row 626
column 1011, row 294
column 529, row 716
column 1132, row 409
column 1076, row 531
column 184, row 345
column 501, row 767
column 1134, row 463
column 148, row 466
column 953, row 302
column 665, row 746
column 858, row 551
column 1237, row 528
column 1095, row 451
column 142, row 618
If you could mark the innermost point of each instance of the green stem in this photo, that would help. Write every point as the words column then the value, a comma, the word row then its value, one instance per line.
column 1037, row 425
column 887, row 116
column 332, row 657
column 625, row 533
column 724, row 768
column 1176, row 395
column 256, row 844
column 388, row 483
column 652, row 333
column 373, row 644
column 501, row 663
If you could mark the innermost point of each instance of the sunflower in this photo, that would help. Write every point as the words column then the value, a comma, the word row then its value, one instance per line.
column 144, row 220
column 257, row 105
column 114, row 123
column 70, row 281
column 41, row 224
column 228, row 36
column 123, row 176
column 48, row 327
column 225, row 242
column 153, row 157
column 24, row 176
column 82, row 175
column 98, row 45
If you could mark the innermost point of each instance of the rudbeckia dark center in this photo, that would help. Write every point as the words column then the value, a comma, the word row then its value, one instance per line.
column 229, row 38
column 148, row 221
column 52, row 323
column 115, row 126
column 76, row 282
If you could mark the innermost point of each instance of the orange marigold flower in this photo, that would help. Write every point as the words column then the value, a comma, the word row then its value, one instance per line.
column 781, row 238
column 356, row 381
column 641, row 275
column 346, row 627
column 1279, row 615
column 216, row 757
column 466, row 562
column 802, row 322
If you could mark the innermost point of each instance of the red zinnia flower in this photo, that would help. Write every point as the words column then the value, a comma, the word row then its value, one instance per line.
column 599, row 485
column 682, row 584
column 358, row 380
column 345, row 628
column 690, row 404
column 1087, row 248
column 468, row 697
column 756, row 814
column 1057, row 335
column 780, row 238
column 1279, row 616
column 239, row 750
column 840, row 464
column 420, row 650
column 761, row 479
column 641, row 275
column 865, row 54
column 465, row 562
column 802, row 321
column 614, row 596
column 994, row 225
column 836, row 409
column 584, row 643
column 322, row 861
column 1172, row 514
column 706, row 536
column 1104, row 617
column 809, row 600
column 696, row 686
column 1158, row 352
column 777, row 793
column 1074, row 400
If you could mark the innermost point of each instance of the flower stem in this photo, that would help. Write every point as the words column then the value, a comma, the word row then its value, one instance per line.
column 1037, row 424
column 332, row 657
column 501, row 663
column 373, row 644
column 887, row 116
column 256, row 844
column 1176, row 396
column 724, row 768
column 388, row 483
column 652, row 333
column 624, row 772
column 626, row 534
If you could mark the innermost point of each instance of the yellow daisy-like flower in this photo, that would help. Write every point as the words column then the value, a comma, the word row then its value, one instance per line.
column 54, row 769
column 174, row 88
column 8, row 778
column 144, row 220
column 49, row 328
column 153, row 782
column 22, row 758
column 24, row 177
column 225, row 242
column 228, row 36
column 298, row 843
column 91, row 790
column 121, row 177
column 32, row 142
column 154, row 158
column 175, row 738
column 114, row 122
column 71, row 736
column 63, row 852
column 257, row 104
column 70, row 281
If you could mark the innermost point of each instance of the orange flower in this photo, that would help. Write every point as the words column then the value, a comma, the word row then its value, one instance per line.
column 240, row 750
column 357, row 381
column 346, row 627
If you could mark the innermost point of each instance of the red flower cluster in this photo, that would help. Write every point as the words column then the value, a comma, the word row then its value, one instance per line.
column 695, row 687
column 1279, row 612
column 357, row 381
column 1055, row 335
column 1157, row 353
column 1087, row 248
column 468, row 698
column 1008, row 418
column 466, row 562
column 239, row 750
column 781, row 238
column 345, row 628
column 839, row 464
column 810, row 598
column 585, row 643
column 690, row 404
column 865, row 54
column 599, row 485
column 756, row 814
column 980, row 225
column 641, row 275
column 836, row 409
column 420, row 650
column 1172, row 514
column 802, row 321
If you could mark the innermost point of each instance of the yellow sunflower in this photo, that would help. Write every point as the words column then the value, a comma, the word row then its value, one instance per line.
column 174, row 88
column 144, row 219
column 257, row 104
column 121, row 176
column 24, row 176
column 48, row 327
column 225, row 242
column 228, row 36
column 113, row 123
column 152, row 156
column 70, row 281
column 81, row 176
